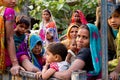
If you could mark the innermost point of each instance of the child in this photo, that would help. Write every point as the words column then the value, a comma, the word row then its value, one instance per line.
column 50, row 36
column 22, row 25
column 55, row 56
column 72, row 52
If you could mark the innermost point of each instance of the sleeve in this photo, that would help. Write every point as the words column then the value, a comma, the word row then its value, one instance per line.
column 54, row 66
column 9, row 14
column 84, row 54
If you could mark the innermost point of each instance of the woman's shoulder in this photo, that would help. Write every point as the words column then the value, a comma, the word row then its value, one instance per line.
column 84, row 50
column 9, row 14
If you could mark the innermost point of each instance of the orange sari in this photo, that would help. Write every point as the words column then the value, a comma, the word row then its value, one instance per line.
column 2, row 40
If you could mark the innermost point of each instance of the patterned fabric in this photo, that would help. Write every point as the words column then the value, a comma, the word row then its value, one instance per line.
column 33, row 40
column 82, row 18
column 6, row 14
column 95, row 48
column 60, row 66
column 2, row 46
column 53, row 33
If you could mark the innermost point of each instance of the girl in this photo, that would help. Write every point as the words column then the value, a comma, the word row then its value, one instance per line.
column 72, row 51
column 22, row 25
column 47, row 22
column 55, row 56
column 50, row 36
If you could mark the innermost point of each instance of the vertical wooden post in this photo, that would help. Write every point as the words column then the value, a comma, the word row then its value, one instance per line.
column 104, row 39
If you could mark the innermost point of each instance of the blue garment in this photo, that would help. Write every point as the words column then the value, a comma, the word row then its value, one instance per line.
column 95, row 48
column 33, row 40
column 115, row 31
column 18, row 40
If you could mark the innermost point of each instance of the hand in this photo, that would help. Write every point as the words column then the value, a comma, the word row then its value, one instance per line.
column 15, row 69
column 38, row 75
column 114, row 75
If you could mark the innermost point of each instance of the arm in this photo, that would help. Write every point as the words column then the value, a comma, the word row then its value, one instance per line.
column 11, row 46
column 47, row 73
column 29, row 66
column 66, row 75
column 68, row 57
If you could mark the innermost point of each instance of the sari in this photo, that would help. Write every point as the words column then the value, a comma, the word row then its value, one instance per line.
column 6, row 14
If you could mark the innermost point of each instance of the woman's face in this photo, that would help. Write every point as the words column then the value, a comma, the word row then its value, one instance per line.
column 37, row 49
column 82, row 38
column 10, row 3
column 73, row 32
column 76, row 17
column 46, row 16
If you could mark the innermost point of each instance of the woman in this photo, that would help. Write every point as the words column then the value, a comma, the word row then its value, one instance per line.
column 78, row 18
column 71, row 34
column 47, row 22
column 8, row 15
column 88, row 42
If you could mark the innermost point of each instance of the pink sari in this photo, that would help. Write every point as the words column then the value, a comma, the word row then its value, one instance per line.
column 7, row 14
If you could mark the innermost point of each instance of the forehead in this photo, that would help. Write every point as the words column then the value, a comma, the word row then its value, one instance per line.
column 115, row 14
column 83, row 31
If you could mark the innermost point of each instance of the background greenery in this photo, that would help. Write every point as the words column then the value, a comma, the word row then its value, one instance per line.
column 61, row 10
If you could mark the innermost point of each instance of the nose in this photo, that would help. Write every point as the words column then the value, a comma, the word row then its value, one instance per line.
column 13, row 0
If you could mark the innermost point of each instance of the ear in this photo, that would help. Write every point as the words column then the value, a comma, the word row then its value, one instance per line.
column 57, row 57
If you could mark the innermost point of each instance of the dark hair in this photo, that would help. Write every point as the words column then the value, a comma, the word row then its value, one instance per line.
column 39, row 43
column 58, row 48
column 47, row 10
column 22, row 19
column 117, row 9
column 84, row 26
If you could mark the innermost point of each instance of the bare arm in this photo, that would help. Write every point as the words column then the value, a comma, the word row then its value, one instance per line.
column 47, row 73
column 10, row 42
column 11, row 47
column 29, row 66
column 66, row 75
column 68, row 57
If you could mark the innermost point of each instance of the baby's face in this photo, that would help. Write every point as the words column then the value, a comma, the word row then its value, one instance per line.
column 37, row 49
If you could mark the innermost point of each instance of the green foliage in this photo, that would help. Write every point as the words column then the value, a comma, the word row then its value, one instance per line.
column 62, row 10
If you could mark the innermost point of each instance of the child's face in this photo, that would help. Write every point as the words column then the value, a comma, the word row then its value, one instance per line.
column 48, row 36
column 22, row 28
column 73, row 45
column 37, row 49
column 46, row 16
column 114, row 21
column 50, row 57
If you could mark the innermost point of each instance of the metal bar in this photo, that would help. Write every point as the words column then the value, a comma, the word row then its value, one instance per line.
column 104, row 39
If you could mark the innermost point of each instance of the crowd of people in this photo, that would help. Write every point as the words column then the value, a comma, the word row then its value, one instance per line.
column 51, row 57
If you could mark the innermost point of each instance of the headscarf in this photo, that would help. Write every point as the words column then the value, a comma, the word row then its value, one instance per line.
column 53, row 33
column 82, row 17
column 95, row 48
column 69, row 29
column 33, row 40
column 51, row 24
